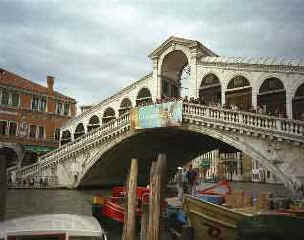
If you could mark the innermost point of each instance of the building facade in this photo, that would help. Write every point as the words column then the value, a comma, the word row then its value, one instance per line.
column 31, row 114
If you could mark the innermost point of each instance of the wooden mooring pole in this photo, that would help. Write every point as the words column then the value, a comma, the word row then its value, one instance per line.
column 129, row 231
column 147, row 208
column 156, row 198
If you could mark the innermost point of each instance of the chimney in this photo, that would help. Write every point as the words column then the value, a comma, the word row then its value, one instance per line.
column 50, row 83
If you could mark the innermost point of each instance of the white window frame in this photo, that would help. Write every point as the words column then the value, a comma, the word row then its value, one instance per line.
column 69, row 109
column 40, row 104
column 29, row 131
column 38, row 109
column 6, row 129
column 11, row 97
column 62, row 106
column 43, row 137
column 9, row 127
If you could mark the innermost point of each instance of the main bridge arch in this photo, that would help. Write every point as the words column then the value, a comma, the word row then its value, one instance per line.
column 109, row 164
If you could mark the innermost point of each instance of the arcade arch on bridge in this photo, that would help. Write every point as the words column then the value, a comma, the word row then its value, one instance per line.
column 144, row 97
column 272, row 95
column 239, row 93
column 66, row 137
column 125, row 106
column 175, row 74
column 93, row 123
column 298, row 103
column 210, row 90
column 29, row 158
column 108, row 115
column 79, row 131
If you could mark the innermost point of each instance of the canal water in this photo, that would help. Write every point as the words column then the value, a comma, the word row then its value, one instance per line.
column 24, row 202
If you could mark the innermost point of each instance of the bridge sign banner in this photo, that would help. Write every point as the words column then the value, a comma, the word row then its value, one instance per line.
column 167, row 114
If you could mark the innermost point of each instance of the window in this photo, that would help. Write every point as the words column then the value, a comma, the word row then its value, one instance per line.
column 43, row 104
column 12, row 129
column 33, row 129
column 41, row 132
column 15, row 99
column 5, row 97
column 59, row 108
column 3, row 125
column 35, row 103
column 57, row 133
column 66, row 109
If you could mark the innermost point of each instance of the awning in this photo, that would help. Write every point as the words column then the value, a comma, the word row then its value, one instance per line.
column 38, row 149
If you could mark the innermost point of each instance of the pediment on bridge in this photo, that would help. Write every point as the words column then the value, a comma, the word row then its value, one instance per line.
column 172, row 41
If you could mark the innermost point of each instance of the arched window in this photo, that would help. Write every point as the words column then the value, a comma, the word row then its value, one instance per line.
column 210, row 90
column 238, row 82
column 298, row 104
column 144, row 97
column 108, row 115
column 93, row 123
column 79, row 131
column 125, row 106
column 175, row 75
column 272, row 97
column 238, row 94
column 66, row 137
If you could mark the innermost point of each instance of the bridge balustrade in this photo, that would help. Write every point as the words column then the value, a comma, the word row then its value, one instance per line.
column 246, row 119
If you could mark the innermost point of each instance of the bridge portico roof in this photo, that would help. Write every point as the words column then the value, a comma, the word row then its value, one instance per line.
column 271, row 61
column 182, row 41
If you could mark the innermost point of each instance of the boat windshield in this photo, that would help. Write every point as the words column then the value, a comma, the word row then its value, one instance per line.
column 57, row 237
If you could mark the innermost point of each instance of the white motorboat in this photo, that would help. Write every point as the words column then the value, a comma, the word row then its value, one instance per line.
column 52, row 227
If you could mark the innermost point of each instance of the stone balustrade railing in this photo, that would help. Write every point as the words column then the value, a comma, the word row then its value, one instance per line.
column 284, row 128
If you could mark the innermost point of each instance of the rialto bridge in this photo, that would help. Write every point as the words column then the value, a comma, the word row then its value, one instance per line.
column 252, row 105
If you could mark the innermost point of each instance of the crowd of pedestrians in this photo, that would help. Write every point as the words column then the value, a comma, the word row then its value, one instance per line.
column 29, row 182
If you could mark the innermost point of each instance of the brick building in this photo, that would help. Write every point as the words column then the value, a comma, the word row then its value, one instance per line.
column 31, row 114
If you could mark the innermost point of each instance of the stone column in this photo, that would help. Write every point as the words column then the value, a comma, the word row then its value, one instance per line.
column 193, row 88
column 254, row 99
column 3, row 186
column 156, row 79
column 239, row 165
column 289, row 105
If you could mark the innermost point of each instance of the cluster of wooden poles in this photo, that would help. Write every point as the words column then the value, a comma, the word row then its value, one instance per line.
column 152, row 222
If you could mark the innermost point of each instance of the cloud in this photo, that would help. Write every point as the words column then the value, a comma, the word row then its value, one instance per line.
column 94, row 48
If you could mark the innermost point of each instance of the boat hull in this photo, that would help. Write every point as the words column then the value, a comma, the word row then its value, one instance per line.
column 211, row 221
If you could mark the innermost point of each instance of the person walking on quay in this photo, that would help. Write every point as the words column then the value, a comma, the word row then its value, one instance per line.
column 180, row 184
column 191, row 177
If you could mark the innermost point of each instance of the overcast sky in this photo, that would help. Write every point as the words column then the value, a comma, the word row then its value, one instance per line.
column 95, row 48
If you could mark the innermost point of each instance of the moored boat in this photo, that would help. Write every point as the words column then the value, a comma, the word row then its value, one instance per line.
column 52, row 226
column 114, row 207
column 212, row 221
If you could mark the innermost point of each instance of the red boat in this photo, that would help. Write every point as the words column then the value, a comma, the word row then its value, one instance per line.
column 114, row 207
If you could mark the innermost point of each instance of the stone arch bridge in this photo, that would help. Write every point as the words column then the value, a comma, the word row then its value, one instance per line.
column 254, row 105
column 102, row 156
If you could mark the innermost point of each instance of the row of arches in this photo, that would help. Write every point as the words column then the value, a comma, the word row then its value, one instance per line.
column 271, row 95
column 144, row 97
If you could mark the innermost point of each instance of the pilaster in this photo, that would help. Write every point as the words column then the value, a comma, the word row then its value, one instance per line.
column 289, row 105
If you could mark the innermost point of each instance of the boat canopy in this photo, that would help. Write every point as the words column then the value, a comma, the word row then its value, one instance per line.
column 73, row 225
